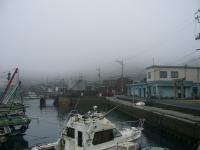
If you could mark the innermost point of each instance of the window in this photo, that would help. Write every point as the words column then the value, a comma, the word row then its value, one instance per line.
column 80, row 139
column 70, row 132
column 174, row 74
column 102, row 137
column 149, row 75
column 163, row 74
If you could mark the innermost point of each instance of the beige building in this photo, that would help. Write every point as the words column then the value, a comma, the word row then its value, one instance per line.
column 169, row 73
column 168, row 82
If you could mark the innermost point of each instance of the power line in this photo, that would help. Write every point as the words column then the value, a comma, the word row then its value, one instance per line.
column 182, row 57
column 178, row 28
column 161, row 42
column 190, row 61
column 197, row 59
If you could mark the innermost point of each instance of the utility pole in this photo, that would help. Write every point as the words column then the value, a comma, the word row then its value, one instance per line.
column 197, row 19
column 63, row 86
column 81, row 82
column 133, row 90
column 121, row 62
column 99, row 74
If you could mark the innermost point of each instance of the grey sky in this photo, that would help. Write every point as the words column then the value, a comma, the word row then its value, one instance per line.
column 56, row 37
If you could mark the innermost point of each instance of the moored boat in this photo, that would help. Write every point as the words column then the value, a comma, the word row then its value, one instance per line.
column 93, row 131
column 13, row 120
column 13, row 125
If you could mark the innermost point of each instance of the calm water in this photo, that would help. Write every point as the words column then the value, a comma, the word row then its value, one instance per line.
column 47, row 124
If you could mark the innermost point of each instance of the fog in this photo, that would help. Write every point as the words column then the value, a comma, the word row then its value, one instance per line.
column 59, row 38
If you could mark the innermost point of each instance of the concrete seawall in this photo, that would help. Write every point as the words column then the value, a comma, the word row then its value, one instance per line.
column 186, row 110
column 182, row 125
column 176, row 105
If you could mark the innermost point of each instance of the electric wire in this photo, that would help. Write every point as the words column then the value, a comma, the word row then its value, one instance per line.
column 178, row 28
column 168, row 38
column 182, row 57
column 158, row 44
column 191, row 61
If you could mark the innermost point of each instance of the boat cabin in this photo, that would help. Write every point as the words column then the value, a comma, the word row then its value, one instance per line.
column 93, row 132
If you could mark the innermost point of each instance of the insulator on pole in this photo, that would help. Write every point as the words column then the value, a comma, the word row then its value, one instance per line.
column 197, row 37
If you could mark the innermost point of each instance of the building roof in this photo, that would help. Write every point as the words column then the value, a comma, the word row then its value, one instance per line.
column 163, row 66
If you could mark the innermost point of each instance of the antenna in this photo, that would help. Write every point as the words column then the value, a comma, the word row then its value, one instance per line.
column 109, row 111
column 153, row 61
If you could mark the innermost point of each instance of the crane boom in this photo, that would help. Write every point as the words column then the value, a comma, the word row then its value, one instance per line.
column 8, row 86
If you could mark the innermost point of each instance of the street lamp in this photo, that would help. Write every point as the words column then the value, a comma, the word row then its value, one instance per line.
column 132, row 89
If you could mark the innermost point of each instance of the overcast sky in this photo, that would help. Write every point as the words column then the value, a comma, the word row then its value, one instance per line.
column 69, row 37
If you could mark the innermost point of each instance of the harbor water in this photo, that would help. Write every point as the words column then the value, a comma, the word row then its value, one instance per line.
column 47, row 123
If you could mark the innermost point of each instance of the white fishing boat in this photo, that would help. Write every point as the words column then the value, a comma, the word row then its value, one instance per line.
column 93, row 131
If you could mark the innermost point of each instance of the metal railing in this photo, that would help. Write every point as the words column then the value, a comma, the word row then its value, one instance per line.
column 138, row 124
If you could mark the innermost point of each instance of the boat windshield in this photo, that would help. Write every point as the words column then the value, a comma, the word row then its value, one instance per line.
column 102, row 137
column 70, row 132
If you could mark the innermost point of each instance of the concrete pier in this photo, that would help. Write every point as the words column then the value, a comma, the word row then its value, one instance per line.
column 42, row 101
column 186, row 126
column 79, row 101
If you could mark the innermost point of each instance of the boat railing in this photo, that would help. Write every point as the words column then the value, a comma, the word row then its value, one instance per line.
column 71, row 113
column 128, row 124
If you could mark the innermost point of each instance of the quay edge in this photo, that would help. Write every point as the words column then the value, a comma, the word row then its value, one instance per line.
column 181, row 127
